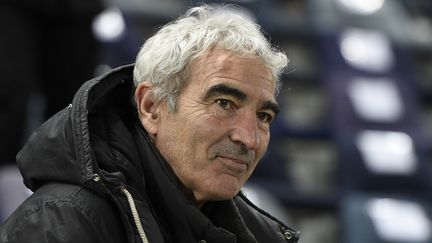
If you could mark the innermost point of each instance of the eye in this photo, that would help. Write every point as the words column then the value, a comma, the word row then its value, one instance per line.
column 265, row 117
column 225, row 104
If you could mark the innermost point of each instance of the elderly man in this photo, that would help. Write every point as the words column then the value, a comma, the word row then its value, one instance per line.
column 169, row 165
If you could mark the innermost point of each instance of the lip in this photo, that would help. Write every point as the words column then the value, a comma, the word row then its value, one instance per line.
column 234, row 165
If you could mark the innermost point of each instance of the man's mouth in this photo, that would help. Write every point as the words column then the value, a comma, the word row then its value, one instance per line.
column 235, row 165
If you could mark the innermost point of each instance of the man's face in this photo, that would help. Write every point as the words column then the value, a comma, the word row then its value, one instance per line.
column 220, row 129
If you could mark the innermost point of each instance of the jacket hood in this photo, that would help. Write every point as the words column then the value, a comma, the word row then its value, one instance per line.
column 61, row 149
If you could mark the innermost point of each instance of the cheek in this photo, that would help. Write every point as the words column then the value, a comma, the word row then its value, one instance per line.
column 207, row 129
column 264, row 141
column 171, row 140
column 187, row 139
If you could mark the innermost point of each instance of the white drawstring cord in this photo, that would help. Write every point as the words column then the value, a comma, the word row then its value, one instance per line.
column 135, row 215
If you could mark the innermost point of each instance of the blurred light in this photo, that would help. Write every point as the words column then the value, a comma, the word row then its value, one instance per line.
column 252, row 195
column 12, row 189
column 109, row 25
column 399, row 220
column 264, row 199
column 375, row 99
column 386, row 152
column 367, row 50
column 364, row 7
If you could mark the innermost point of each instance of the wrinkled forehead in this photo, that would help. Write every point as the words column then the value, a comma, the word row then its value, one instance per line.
column 227, row 62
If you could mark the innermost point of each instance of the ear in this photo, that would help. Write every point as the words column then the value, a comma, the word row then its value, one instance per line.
column 148, row 108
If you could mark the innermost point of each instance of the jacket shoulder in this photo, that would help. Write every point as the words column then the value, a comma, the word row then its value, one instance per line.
column 63, row 213
column 265, row 227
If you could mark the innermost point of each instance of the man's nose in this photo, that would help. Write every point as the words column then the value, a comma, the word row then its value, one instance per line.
column 245, row 131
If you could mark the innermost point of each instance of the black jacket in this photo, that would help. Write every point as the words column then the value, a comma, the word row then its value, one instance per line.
column 80, row 162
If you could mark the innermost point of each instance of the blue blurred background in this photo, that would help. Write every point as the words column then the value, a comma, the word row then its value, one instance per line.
column 350, row 159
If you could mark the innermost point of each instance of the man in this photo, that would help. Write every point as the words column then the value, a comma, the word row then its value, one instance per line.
column 169, row 166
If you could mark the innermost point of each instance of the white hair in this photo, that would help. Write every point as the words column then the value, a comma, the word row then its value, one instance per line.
column 164, row 59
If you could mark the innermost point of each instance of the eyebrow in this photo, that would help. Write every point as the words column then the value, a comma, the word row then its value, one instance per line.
column 270, row 105
column 224, row 89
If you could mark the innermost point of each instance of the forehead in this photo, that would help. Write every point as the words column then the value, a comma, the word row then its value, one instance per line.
column 219, row 66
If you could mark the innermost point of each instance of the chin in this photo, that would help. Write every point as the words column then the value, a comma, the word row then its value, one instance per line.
column 227, row 193
column 223, row 189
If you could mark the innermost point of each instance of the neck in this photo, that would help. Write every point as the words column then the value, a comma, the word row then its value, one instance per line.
column 190, row 195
